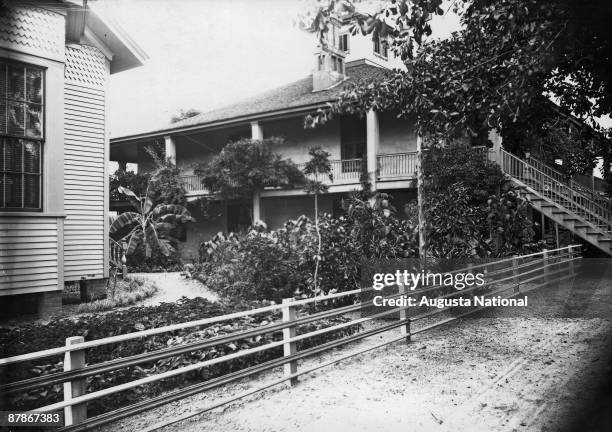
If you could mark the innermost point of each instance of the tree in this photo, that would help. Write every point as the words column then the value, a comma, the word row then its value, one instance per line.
column 245, row 167
column 184, row 114
column 162, row 185
column 501, row 70
column 165, row 183
column 150, row 225
column 318, row 166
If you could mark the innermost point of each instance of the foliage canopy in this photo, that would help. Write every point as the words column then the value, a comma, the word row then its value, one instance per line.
column 510, row 59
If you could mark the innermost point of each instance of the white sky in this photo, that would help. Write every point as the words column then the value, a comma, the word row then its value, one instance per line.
column 205, row 54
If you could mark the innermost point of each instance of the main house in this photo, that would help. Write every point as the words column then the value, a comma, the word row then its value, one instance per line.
column 55, row 62
column 387, row 144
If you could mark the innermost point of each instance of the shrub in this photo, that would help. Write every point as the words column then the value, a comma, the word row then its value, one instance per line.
column 129, row 291
column 129, row 179
column 276, row 264
column 34, row 337
column 466, row 213
column 138, row 262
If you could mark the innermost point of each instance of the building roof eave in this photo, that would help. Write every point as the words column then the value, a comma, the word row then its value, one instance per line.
column 269, row 115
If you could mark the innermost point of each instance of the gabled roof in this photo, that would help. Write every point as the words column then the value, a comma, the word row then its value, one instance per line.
column 295, row 97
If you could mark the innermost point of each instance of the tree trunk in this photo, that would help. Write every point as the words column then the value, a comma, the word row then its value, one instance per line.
column 420, row 203
column 318, row 256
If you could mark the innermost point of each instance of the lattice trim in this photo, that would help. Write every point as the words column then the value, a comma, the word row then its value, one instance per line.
column 85, row 66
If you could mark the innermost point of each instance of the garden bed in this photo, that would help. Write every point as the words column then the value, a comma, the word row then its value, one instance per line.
column 36, row 337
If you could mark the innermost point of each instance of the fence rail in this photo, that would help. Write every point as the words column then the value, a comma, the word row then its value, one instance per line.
column 512, row 276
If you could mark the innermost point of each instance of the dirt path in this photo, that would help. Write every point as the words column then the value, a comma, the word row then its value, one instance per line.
column 172, row 286
column 545, row 372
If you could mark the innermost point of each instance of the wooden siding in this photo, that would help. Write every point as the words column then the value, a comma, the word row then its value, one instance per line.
column 30, row 254
column 85, row 146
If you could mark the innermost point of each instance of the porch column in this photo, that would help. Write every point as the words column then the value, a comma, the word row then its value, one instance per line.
column 496, row 139
column 373, row 139
column 257, row 207
column 170, row 147
column 256, row 134
column 256, row 131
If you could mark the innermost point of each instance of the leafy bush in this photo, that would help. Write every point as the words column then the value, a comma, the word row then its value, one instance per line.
column 138, row 262
column 128, row 179
column 128, row 291
column 35, row 337
column 466, row 213
column 246, row 166
column 276, row 264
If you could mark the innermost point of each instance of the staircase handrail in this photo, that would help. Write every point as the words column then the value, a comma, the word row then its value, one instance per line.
column 602, row 215
column 544, row 167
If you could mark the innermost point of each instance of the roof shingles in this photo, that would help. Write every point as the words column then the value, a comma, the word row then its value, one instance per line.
column 295, row 95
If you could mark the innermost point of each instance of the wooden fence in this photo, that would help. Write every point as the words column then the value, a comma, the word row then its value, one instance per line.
column 507, row 277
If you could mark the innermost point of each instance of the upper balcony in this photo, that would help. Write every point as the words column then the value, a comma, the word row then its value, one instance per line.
column 395, row 170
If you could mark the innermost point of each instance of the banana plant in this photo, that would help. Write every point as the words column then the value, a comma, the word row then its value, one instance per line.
column 149, row 225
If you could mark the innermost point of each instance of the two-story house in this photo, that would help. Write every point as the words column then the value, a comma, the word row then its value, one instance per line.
column 55, row 62
column 387, row 143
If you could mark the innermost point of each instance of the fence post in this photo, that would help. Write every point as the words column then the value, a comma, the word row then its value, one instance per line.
column 289, row 348
column 403, row 314
column 74, row 414
column 515, row 273
column 546, row 270
column 570, row 250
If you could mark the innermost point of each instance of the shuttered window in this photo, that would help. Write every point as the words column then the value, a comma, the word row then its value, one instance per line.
column 21, row 136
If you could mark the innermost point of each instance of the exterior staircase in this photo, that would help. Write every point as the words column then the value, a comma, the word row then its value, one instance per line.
column 572, row 206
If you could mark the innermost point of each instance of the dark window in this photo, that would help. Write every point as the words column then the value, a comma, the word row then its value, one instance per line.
column 380, row 47
column 21, row 136
column 238, row 216
column 343, row 43
column 352, row 142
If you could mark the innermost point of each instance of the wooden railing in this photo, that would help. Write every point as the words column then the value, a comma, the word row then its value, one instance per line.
column 117, row 259
column 396, row 166
column 576, row 186
column 557, row 191
column 344, row 171
column 509, row 277
column 193, row 183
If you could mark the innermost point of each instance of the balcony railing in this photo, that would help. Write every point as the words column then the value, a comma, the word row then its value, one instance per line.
column 346, row 171
column 193, row 183
column 396, row 166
